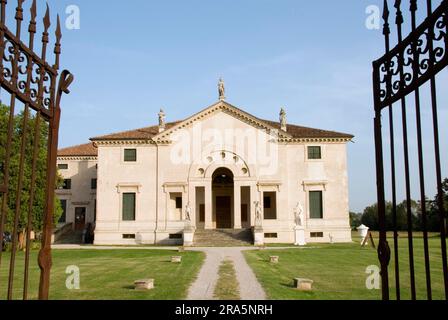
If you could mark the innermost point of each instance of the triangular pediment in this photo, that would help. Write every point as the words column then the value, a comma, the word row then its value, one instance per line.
column 226, row 108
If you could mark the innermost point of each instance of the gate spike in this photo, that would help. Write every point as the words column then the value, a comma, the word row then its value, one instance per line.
column 57, row 47
column 45, row 38
column 32, row 27
column 58, row 32
column 47, row 21
column 3, row 7
column 399, row 19
column 19, row 17
column 386, row 28
column 414, row 6
column 33, row 11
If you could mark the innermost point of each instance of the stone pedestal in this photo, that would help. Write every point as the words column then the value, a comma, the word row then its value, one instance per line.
column 176, row 259
column 303, row 284
column 299, row 236
column 145, row 284
column 274, row 259
column 188, row 237
column 258, row 237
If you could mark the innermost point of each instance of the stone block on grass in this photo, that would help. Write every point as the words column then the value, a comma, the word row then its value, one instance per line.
column 273, row 259
column 303, row 284
column 144, row 284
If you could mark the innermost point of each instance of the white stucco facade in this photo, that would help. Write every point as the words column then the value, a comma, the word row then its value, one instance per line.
column 214, row 167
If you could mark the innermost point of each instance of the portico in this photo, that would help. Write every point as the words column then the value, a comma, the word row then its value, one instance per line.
column 223, row 200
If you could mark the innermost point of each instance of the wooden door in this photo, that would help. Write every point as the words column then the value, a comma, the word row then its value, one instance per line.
column 80, row 218
column 202, row 213
column 223, row 212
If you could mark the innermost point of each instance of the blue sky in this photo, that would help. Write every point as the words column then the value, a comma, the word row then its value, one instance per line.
column 130, row 58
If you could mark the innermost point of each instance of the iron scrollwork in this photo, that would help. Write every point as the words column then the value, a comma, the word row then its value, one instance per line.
column 413, row 53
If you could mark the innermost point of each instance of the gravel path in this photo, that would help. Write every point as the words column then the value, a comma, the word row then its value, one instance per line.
column 204, row 286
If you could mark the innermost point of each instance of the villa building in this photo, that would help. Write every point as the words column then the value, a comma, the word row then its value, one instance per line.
column 222, row 168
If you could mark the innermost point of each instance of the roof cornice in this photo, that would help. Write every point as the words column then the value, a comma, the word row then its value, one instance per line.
column 226, row 107
column 77, row 158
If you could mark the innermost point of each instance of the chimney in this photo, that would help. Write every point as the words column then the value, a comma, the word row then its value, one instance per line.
column 283, row 123
column 161, row 121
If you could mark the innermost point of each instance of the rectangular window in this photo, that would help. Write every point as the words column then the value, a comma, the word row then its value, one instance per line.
column 128, row 206
column 316, row 205
column 63, row 218
column 178, row 202
column 129, row 236
column 317, row 234
column 271, row 235
column 63, row 166
column 130, row 155
column 314, row 153
column 270, row 205
column 176, row 236
column 67, row 184
column 267, row 202
column 93, row 184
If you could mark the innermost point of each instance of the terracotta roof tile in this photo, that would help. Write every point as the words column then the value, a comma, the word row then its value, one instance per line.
column 83, row 150
column 138, row 134
column 294, row 130
column 304, row 132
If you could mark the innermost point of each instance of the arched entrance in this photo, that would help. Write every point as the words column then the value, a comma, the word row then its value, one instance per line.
column 223, row 192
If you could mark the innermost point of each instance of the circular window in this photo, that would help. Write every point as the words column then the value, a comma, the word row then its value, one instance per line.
column 244, row 170
column 201, row 171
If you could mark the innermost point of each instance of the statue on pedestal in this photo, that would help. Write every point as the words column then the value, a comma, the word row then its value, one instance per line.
column 258, row 215
column 298, row 213
column 222, row 90
column 188, row 215
column 162, row 120
column 283, row 121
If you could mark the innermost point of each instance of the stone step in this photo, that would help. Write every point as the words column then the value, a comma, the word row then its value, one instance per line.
column 223, row 238
column 72, row 237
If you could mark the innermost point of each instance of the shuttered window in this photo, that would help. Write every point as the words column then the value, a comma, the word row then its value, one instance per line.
column 130, row 155
column 93, row 184
column 128, row 206
column 316, row 205
column 314, row 153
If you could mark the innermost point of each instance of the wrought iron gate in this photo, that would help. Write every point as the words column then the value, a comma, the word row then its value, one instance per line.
column 29, row 80
column 398, row 78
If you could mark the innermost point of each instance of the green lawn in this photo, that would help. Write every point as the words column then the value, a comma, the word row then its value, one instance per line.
column 110, row 274
column 338, row 271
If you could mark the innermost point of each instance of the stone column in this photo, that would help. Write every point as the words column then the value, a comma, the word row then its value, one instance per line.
column 208, row 206
column 237, row 206
column 192, row 200
column 254, row 196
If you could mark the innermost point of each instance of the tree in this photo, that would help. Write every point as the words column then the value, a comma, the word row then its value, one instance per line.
column 38, row 208
column 355, row 220
column 434, row 212
column 370, row 216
